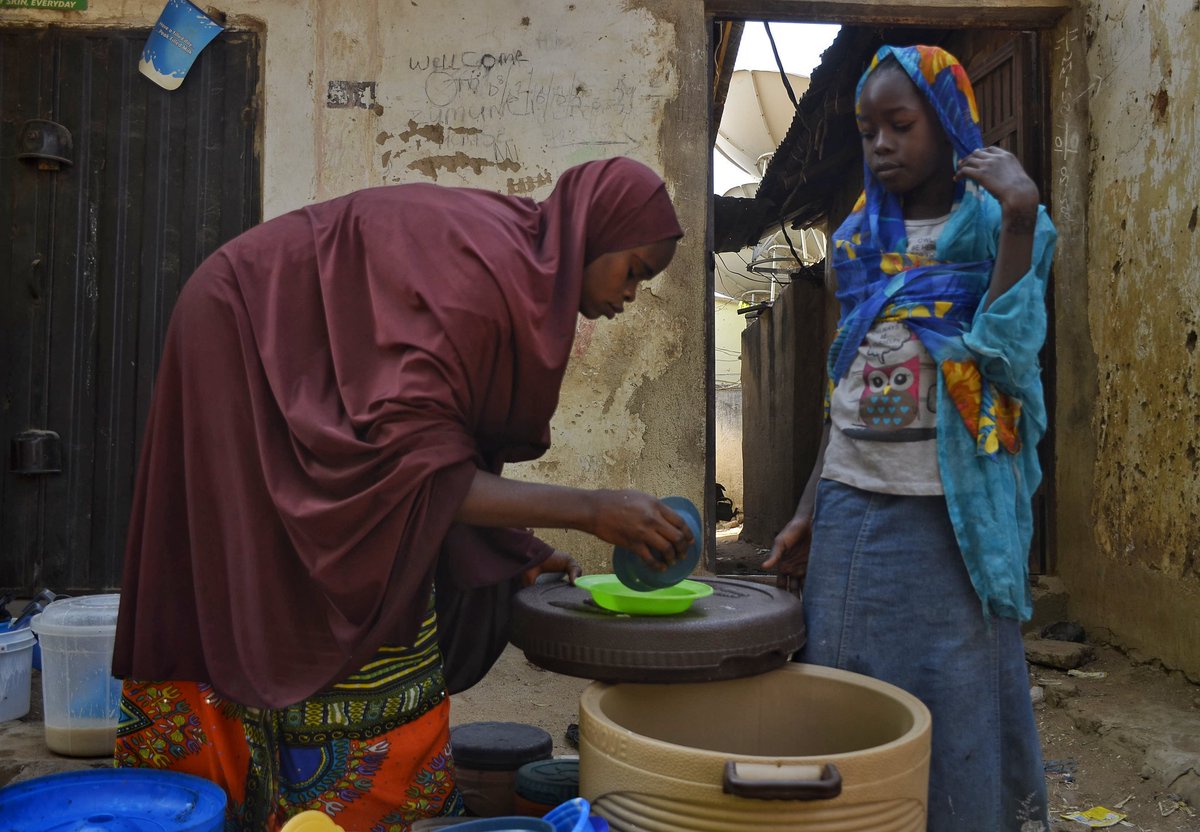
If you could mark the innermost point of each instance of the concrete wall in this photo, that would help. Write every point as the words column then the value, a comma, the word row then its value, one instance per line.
column 1125, row 148
column 729, row 445
column 728, row 329
column 505, row 95
column 783, row 374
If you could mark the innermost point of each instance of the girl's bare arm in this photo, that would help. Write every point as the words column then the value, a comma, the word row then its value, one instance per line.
column 1001, row 174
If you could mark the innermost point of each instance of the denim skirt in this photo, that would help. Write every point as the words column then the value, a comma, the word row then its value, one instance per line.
column 887, row 595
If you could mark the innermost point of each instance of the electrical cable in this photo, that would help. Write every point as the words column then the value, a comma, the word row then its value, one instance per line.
column 778, row 62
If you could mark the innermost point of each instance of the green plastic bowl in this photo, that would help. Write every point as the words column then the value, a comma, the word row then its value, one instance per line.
column 608, row 592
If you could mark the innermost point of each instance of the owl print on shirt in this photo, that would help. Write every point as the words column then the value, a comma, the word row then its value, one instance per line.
column 891, row 395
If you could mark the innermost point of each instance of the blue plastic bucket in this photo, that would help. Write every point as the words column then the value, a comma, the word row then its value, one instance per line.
column 113, row 800
column 16, row 659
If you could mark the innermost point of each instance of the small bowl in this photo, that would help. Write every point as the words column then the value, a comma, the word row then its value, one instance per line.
column 636, row 574
column 610, row 593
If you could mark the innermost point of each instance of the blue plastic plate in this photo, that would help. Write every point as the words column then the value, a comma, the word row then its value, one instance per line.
column 113, row 800
column 632, row 571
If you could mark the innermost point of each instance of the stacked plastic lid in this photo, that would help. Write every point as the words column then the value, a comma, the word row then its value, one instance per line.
column 740, row 629
column 498, row 746
column 549, row 782
column 113, row 800
column 84, row 616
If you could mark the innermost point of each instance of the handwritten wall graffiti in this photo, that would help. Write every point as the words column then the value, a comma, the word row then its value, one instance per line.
column 474, row 109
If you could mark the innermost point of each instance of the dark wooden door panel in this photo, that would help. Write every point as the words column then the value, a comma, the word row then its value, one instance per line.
column 97, row 254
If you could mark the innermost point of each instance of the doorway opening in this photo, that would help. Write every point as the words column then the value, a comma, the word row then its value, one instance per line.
column 771, row 69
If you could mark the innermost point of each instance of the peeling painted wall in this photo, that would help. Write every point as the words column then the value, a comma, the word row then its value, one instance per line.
column 727, row 336
column 1129, row 372
column 505, row 96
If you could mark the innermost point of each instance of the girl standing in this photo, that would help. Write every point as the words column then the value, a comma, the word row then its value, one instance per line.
column 918, row 509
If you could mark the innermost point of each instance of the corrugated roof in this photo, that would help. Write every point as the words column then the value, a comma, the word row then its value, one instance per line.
column 820, row 150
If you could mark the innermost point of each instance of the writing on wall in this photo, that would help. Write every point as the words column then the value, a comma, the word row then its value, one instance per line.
column 504, row 109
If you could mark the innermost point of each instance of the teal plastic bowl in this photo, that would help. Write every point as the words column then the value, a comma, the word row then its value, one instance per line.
column 636, row 574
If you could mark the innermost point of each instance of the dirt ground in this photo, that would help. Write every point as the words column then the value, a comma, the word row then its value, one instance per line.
column 1120, row 742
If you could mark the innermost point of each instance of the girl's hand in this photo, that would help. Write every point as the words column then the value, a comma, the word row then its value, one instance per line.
column 559, row 562
column 1001, row 174
column 641, row 524
column 790, row 552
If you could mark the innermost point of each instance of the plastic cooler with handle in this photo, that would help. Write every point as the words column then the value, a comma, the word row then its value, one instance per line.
column 799, row 748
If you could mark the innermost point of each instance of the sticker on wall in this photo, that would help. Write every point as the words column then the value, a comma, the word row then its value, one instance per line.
column 46, row 5
column 181, row 32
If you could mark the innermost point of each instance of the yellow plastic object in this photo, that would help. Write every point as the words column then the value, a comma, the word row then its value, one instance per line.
column 311, row 821
column 652, row 758
column 608, row 592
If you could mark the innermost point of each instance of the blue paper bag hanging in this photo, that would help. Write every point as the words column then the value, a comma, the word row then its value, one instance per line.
column 181, row 32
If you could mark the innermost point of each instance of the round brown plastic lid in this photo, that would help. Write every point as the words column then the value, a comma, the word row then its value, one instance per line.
column 742, row 629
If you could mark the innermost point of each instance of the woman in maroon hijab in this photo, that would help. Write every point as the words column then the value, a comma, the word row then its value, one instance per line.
column 338, row 392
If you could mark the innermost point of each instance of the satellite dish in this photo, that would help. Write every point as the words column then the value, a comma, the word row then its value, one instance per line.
column 754, row 269
column 746, row 191
column 758, row 114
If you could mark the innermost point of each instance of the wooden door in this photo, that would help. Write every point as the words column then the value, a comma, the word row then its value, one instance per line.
column 92, row 257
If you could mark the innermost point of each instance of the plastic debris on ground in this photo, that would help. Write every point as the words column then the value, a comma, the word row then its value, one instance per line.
column 1096, row 817
column 1060, row 770
column 1088, row 674
column 1174, row 803
column 1064, row 631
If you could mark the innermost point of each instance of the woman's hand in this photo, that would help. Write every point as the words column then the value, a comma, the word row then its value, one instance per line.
column 559, row 562
column 631, row 519
column 641, row 524
column 790, row 552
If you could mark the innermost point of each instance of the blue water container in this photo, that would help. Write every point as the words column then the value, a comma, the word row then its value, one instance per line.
column 113, row 800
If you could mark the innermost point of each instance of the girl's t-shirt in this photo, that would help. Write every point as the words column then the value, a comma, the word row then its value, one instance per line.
column 883, row 412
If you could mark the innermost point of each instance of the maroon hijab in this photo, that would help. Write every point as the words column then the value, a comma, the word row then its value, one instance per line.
column 330, row 383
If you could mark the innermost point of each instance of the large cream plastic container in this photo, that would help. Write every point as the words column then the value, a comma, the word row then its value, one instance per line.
column 799, row 748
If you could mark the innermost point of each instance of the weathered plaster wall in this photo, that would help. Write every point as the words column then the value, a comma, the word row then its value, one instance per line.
column 1128, row 372
column 505, row 96
column 728, row 328
column 729, row 471
column 782, row 382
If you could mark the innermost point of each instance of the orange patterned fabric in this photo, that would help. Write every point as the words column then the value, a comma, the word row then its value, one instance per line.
column 990, row 416
column 381, row 784
column 372, row 752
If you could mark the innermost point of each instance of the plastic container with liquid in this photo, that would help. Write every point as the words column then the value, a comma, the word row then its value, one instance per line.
column 81, row 699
